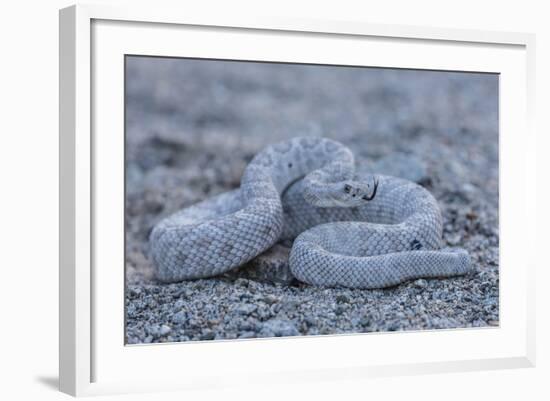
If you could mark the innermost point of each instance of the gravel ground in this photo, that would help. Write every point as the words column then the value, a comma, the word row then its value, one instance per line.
column 192, row 126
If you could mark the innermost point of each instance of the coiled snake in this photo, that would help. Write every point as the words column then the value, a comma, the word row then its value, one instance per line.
column 359, row 232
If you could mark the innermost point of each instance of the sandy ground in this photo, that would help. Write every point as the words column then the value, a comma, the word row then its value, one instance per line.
column 193, row 125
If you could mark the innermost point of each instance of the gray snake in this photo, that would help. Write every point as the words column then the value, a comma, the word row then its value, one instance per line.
column 358, row 232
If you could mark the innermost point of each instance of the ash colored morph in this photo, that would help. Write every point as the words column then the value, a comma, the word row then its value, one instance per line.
column 357, row 232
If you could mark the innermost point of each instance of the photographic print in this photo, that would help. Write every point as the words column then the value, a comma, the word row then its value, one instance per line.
column 269, row 199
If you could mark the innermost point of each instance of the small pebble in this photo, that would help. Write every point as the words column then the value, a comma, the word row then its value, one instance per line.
column 278, row 328
column 164, row 330
column 421, row 283
column 342, row 298
column 209, row 335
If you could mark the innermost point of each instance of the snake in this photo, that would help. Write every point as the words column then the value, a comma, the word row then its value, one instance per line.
column 362, row 231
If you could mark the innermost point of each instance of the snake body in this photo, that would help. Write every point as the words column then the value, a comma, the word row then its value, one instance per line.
column 358, row 232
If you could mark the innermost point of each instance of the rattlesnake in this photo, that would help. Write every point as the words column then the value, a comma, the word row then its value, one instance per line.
column 366, row 232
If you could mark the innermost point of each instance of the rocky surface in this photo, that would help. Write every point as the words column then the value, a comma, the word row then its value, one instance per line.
column 193, row 125
column 270, row 267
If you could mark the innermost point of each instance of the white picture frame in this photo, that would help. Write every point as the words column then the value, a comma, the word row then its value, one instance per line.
column 93, row 357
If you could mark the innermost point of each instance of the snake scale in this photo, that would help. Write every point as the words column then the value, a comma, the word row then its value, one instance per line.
column 358, row 232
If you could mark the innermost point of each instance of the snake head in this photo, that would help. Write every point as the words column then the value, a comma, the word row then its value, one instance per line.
column 354, row 193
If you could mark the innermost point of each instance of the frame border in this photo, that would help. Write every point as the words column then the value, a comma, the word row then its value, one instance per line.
column 75, row 170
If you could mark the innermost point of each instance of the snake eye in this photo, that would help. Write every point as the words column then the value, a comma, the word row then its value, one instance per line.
column 347, row 188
